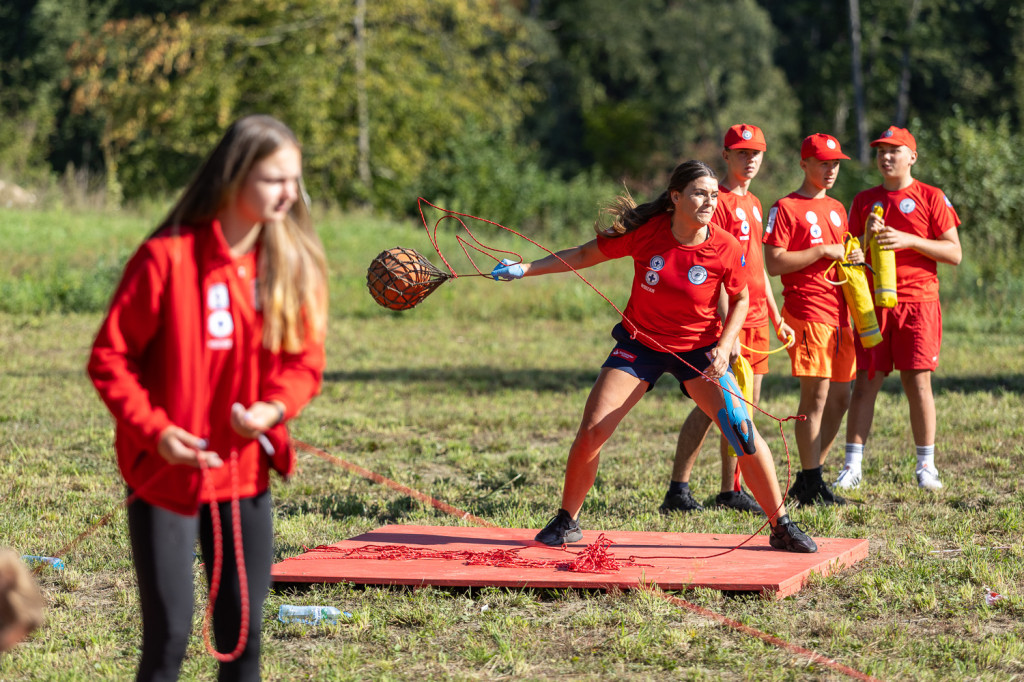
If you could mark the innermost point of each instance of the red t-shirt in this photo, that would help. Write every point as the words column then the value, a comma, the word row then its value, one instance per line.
column 919, row 209
column 797, row 223
column 674, row 300
column 740, row 215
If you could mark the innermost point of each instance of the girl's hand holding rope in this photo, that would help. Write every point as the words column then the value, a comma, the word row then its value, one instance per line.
column 178, row 446
column 508, row 270
column 719, row 363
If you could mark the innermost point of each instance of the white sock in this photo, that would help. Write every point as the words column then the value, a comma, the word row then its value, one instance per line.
column 926, row 457
column 854, row 455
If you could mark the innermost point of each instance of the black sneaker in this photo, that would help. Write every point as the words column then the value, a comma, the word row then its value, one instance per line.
column 790, row 537
column 561, row 530
column 739, row 500
column 816, row 493
column 680, row 502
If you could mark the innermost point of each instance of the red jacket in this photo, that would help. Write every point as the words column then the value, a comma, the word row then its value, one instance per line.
column 151, row 363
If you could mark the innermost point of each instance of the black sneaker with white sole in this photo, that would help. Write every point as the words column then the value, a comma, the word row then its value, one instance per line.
column 681, row 501
column 740, row 500
column 790, row 537
column 561, row 530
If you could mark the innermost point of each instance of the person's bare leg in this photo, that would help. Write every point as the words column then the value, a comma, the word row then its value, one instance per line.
column 813, row 396
column 691, row 438
column 836, row 405
column 917, row 384
column 862, row 406
column 614, row 394
column 758, row 469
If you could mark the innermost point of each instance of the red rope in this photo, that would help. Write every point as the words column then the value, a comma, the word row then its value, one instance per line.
column 592, row 559
column 218, row 564
column 812, row 656
column 394, row 485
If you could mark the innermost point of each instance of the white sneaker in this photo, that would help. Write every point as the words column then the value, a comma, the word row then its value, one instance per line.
column 848, row 479
column 928, row 478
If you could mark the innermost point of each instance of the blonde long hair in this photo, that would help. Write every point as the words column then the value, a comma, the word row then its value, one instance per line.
column 292, row 265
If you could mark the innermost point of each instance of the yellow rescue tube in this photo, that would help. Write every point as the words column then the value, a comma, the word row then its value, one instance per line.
column 884, row 265
column 858, row 298
column 745, row 380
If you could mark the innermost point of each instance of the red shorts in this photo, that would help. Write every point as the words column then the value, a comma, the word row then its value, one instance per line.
column 757, row 339
column 821, row 350
column 911, row 338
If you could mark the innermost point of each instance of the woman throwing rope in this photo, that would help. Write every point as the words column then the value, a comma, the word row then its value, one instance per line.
column 683, row 263
column 213, row 339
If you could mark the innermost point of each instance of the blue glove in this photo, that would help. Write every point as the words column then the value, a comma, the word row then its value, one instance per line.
column 507, row 270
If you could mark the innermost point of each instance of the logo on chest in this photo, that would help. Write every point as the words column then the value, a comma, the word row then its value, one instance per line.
column 697, row 275
column 220, row 325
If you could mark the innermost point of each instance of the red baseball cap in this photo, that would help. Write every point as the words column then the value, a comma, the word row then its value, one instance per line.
column 743, row 136
column 821, row 147
column 898, row 137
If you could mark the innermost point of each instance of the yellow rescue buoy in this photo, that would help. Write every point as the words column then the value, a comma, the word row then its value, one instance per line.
column 883, row 264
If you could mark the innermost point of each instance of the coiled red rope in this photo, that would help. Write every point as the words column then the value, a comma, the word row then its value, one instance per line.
column 218, row 564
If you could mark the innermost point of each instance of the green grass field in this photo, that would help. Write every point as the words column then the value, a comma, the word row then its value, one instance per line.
column 473, row 398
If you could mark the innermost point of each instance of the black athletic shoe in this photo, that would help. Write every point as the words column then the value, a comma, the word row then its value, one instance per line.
column 790, row 537
column 817, row 493
column 739, row 500
column 561, row 530
column 680, row 502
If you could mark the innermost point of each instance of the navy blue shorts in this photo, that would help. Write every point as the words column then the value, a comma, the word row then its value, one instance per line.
column 648, row 365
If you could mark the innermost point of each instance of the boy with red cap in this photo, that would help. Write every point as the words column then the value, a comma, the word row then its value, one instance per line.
column 805, row 233
column 920, row 224
column 739, row 213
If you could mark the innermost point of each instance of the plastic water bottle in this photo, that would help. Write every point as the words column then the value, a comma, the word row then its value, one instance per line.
column 34, row 559
column 310, row 615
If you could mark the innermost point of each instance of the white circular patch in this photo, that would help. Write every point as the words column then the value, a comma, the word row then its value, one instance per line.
column 219, row 324
column 831, row 144
column 747, row 135
column 740, row 213
column 757, row 214
column 836, row 219
column 652, row 277
column 816, row 231
column 908, row 205
column 697, row 274
column 745, row 227
column 217, row 297
column 811, row 217
column 657, row 263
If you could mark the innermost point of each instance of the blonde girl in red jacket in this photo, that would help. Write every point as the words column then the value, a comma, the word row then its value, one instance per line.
column 214, row 338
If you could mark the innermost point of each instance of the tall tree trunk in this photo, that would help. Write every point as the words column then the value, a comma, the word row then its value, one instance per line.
column 863, row 150
column 903, row 98
column 362, row 105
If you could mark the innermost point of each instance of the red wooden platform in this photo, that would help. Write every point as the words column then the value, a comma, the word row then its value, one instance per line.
column 755, row 567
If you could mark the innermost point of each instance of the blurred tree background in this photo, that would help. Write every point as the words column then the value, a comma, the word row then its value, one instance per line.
column 528, row 112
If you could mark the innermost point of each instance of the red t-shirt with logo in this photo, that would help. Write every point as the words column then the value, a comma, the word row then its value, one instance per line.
column 741, row 216
column 797, row 223
column 919, row 209
column 674, row 300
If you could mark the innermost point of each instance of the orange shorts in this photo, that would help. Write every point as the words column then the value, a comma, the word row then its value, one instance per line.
column 822, row 350
column 756, row 338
